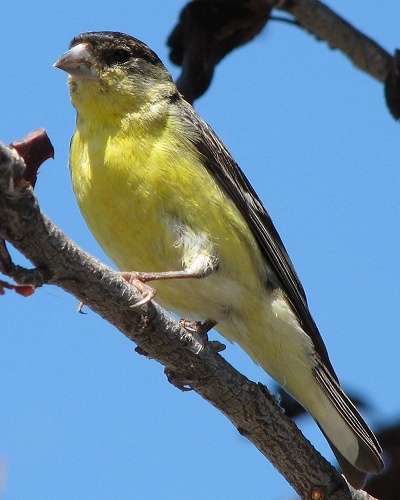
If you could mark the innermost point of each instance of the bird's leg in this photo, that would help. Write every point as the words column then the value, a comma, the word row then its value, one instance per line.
column 201, row 267
column 139, row 280
column 133, row 276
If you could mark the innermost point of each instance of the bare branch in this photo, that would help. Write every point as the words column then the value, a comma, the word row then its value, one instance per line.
column 326, row 25
column 190, row 361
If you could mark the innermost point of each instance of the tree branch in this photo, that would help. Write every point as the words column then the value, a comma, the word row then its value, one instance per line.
column 189, row 360
column 326, row 25
column 208, row 30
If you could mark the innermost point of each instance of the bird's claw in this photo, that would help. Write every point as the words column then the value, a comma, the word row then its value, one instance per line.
column 138, row 281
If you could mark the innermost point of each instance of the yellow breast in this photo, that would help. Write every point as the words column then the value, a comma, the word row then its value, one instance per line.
column 133, row 185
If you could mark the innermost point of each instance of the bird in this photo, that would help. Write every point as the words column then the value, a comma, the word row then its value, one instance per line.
column 167, row 203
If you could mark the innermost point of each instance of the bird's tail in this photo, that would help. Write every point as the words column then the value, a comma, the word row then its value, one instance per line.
column 355, row 446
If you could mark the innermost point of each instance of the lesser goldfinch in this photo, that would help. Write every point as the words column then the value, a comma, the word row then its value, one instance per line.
column 162, row 195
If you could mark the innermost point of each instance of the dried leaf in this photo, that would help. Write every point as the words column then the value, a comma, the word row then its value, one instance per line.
column 24, row 290
column 208, row 30
column 35, row 149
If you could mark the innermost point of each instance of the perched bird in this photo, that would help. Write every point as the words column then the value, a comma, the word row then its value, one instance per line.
column 163, row 196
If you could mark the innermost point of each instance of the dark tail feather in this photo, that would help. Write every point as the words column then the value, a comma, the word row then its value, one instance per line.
column 369, row 451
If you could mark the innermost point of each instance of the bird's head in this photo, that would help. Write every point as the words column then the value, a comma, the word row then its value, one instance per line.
column 114, row 72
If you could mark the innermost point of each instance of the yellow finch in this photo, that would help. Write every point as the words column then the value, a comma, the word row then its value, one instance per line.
column 162, row 195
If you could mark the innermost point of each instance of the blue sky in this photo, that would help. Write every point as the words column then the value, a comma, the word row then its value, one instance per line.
column 82, row 416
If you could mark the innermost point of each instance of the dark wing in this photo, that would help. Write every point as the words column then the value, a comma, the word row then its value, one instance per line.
column 234, row 183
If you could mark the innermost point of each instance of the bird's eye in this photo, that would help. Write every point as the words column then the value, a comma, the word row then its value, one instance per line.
column 120, row 56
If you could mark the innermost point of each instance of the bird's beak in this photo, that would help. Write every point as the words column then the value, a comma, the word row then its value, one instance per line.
column 78, row 62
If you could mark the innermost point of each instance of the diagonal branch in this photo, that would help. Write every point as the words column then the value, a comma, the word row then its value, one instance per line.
column 325, row 24
column 188, row 360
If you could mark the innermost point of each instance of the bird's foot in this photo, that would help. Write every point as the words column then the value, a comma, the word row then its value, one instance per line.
column 198, row 327
column 200, row 330
column 138, row 280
